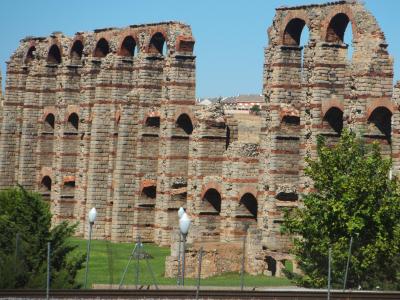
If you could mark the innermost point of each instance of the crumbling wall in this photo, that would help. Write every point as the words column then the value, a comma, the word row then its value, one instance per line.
column 318, row 90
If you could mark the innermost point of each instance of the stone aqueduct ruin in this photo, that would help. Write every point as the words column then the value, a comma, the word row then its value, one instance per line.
column 108, row 119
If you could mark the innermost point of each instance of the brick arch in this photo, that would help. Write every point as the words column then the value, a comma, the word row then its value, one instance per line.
column 335, row 11
column 54, row 53
column 70, row 110
column 211, row 185
column 78, row 38
column 46, row 171
column 120, row 51
column 28, row 56
column 48, row 110
column 103, row 42
column 247, row 190
column 328, row 104
column 374, row 104
column 184, row 110
column 302, row 15
column 152, row 33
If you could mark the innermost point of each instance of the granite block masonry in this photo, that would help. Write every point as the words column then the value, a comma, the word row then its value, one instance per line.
column 108, row 119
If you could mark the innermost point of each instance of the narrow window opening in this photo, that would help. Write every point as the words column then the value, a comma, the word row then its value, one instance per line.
column 30, row 55
column 291, row 120
column 153, row 122
column 283, row 196
column 49, row 123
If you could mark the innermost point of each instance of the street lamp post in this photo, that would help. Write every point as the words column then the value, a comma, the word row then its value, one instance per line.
column 92, row 218
column 184, row 224
column 181, row 211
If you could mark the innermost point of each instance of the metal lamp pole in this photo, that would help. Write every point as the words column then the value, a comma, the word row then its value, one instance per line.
column 184, row 224
column 92, row 218
column 181, row 211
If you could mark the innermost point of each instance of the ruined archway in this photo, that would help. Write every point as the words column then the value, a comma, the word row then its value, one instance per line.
column 336, row 28
column 102, row 48
column 54, row 55
column 76, row 51
column 128, row 47
column 45, row 188
column 158, row 44
column 333, row 120
column 293, row 31
column 380, row 123
column 212, row 201
column 30, row 55
column 185, row 123
column 249, row 202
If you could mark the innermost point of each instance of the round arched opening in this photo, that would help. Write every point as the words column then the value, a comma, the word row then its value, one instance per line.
column 213, row 198
column 128, row 47
column 49, row 123
column 185, row 123
column 54, row 55
column 45, row 184
column 73, row 122
column 381, row 118
column 77, row 51
column 250, row 203
column 334, row 118
column 336, row 28
column 30, row 55
column 102, row 48
column 157, row 44
column 292, row 33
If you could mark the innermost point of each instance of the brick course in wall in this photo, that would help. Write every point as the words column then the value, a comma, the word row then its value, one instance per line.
column 107, row 119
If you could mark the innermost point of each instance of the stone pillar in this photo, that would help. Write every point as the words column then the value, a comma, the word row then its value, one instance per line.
column 11, row 123
column 175, row 135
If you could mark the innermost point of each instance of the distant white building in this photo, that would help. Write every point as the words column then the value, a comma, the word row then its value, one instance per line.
column 242, row 103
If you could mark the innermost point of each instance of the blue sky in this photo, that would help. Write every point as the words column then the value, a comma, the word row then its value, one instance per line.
column 230, row 34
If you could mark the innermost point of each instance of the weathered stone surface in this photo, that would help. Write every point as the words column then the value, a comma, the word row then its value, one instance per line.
column 108, row 119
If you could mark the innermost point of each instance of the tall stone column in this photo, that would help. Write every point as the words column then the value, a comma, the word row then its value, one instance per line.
column 176, row 129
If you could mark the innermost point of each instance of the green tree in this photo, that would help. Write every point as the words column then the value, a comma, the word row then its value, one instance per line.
column 255, row 109
column 25, row 229
column 353, row 197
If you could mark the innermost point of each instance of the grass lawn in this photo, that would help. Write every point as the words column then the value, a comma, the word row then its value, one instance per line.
column 108, row 261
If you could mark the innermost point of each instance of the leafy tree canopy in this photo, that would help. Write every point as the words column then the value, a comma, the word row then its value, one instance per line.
column 25, row 229
column 353, row 197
